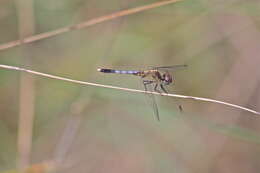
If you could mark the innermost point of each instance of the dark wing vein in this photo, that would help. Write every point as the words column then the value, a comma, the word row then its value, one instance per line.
column 173, row 67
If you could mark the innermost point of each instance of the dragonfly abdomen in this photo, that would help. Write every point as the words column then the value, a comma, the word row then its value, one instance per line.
column 104, row 70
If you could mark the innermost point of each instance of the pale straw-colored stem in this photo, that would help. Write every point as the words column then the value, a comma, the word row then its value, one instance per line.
column 127, row 89
column 85, row 24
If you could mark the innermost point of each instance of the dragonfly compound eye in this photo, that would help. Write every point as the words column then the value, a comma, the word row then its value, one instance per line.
column 167, row 79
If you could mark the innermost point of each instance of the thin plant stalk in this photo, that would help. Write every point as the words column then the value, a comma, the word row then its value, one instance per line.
column 127, row 89
column 85, row 24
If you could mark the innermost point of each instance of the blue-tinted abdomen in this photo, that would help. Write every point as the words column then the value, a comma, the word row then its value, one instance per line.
column 118, row 71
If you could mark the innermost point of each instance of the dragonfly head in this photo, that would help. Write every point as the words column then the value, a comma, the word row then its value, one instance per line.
column 167, row 78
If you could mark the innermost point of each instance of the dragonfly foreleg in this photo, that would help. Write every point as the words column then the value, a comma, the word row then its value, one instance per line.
column 164, row 90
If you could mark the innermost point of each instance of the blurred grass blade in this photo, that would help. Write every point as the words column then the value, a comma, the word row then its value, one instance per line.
column 85, row 24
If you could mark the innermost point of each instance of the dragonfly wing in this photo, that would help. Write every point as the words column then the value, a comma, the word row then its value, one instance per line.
column 147, row 87
column 155, row 107
column 173, row 67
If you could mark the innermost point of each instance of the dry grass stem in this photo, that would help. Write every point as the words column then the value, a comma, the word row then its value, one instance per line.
column 127, row 89
column 85, row 24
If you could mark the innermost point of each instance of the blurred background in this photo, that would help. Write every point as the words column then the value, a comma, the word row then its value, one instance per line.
column 50, row 125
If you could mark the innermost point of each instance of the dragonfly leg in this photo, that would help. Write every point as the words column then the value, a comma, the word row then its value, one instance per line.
column 155, row 89
column 162, row 87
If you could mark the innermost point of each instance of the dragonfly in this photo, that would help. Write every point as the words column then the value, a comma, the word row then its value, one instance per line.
column 156, row 76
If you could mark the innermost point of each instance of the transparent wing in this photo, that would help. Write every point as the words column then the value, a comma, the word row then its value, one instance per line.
column 155, row 107
column 173, row 67
column 152, row 100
